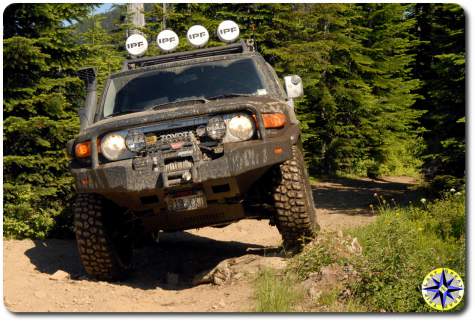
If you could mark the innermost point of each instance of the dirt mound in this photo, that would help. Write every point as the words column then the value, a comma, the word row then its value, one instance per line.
column 202, row 270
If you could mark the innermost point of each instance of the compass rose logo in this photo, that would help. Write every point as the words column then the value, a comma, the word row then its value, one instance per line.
column 442, row 289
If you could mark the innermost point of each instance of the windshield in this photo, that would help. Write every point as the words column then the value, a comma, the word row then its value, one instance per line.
column 210, row 80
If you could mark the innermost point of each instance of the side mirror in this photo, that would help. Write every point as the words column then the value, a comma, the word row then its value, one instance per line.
column 293, row 86
column 69, row 148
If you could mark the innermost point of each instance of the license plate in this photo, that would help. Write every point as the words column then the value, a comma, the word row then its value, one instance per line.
column 186, row 203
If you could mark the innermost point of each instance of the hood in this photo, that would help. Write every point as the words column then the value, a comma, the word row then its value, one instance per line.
column 263, row 104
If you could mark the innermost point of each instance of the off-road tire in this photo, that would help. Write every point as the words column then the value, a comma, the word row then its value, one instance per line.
column 102, row 256
column 293, row 201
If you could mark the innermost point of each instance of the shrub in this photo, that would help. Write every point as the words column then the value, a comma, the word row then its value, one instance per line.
column 444, row 183
column 402, row 246
column 313, row 257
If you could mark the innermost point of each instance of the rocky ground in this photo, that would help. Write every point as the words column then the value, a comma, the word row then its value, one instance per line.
column 200, row 270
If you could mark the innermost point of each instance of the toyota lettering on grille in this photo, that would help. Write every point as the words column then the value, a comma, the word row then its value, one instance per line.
column 176, row 140
column 176, row 136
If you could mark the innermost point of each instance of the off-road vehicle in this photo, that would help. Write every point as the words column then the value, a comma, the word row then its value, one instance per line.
column 185, row 140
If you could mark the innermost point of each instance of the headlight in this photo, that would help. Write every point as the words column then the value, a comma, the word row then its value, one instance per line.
column 113, row 146
column 241, row 127
column 216, row 128
column 135, row 141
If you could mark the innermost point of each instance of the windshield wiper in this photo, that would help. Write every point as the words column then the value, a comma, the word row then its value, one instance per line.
column 121, row 112
column 188, row 99
column 228, row 95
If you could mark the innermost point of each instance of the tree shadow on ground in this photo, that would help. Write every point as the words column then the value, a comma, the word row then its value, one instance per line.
column 354, row 196
column 170, row 264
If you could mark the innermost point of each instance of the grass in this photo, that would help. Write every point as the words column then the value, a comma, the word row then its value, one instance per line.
column 399, row 249
column 313, row 258
column 275, row 293
column 402, row 246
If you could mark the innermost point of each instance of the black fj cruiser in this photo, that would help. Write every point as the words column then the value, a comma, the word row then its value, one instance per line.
column 186, row 140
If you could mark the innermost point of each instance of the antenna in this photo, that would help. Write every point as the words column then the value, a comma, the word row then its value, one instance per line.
column 164, row 14
column 254, row 43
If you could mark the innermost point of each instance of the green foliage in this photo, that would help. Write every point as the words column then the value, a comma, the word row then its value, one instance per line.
column 313, row 258
column 275, row 293
column 384, row 86
column 402, row 246
column 399, row 249
column 104, row 51
column 41, row 96
column 440, row 64
column 355, row 63
column 444, row 183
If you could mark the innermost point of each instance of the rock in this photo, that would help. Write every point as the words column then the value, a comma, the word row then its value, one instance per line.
column 218, row 275
column 238, row 276
column 40, row 294
column 331, row 272
column 356, row 247
column 236, row 268
column 172, row 279
column 221, row 303
column 60, row 275
column 315, row 276
column 314, row 293
column 277, row 263
column 166, row 303
column 222, row 275
column 345, row 294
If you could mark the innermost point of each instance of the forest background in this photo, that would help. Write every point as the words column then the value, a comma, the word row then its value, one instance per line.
column 384, row 89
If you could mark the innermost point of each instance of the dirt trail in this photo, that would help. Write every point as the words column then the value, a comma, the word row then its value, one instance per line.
column 163, row 279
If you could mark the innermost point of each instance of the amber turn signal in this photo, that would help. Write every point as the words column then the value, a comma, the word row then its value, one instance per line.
column 83, row 149
column 274, row 120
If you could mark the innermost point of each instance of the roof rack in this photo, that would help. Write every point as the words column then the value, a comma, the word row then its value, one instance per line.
column 241, row 47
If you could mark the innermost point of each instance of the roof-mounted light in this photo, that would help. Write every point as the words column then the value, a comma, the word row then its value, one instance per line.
column 167, row 40
column 136, row 45
column 197, row 36
column 228, row 31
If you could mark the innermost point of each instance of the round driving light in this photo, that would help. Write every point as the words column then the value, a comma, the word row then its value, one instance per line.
column 201, row 130
column 197, row 36
column 228, row 31
column 167, row 40
column 241, row 126
column 135, row 141
column 216, row 128
column 136, row 45
column 112, row 146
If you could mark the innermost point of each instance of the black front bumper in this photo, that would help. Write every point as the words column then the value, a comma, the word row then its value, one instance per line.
column 239, row 167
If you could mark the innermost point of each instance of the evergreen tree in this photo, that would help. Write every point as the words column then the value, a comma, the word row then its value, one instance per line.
column 440, row 64
column 356, row 112
column 357, row 108
column 105, row 51
column 390, row 128
column 375, row 77
column 41, row 98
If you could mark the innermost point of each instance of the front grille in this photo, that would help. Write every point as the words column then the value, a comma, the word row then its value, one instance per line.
column 173, row 152
column 181, row 142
